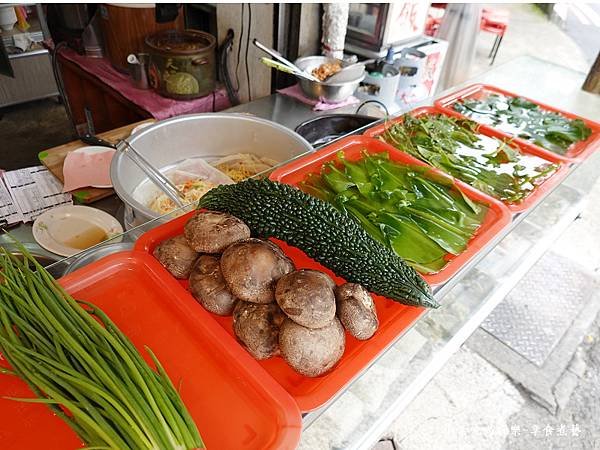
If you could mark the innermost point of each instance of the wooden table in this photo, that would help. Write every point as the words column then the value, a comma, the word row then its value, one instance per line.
column 100, row 98
column 54, row 159
column 91, row 101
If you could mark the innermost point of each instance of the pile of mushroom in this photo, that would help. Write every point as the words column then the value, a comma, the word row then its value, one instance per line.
column 277, row 310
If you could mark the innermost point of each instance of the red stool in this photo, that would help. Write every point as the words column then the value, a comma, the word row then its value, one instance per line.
column 494, row 21
column 434, row 19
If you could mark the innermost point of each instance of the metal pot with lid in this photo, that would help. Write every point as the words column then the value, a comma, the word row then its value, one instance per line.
column 182, row 63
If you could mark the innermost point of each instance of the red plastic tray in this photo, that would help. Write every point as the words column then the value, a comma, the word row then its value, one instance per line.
column 524, row 147
column 309, row 393
column 577, row 152
column 496, row 219
column 233, row 402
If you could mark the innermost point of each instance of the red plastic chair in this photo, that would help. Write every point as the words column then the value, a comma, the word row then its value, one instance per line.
column 434, row 18
column 494, row 21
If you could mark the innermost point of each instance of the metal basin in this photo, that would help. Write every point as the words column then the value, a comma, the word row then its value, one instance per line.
column 209, row 136
column 329, row 92
column 45, row 258
column 94, row 254
column 324, row 129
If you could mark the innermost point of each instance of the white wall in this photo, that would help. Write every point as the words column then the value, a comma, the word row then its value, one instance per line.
column 229, row 16
column 308, row 42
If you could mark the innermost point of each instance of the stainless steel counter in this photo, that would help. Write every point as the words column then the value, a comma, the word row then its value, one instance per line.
column 285, row 110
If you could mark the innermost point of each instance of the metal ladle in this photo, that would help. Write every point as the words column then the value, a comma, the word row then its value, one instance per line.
column 279, row 57
column 162, row 182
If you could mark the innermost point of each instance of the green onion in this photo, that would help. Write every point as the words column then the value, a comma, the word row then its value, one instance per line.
column 77, row 362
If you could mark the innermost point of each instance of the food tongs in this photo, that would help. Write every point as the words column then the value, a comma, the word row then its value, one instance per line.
column 161, row 181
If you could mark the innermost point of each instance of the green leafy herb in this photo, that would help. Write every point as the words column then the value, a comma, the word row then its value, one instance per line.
column 422, row 218
column 454, row 146
column 526, row 120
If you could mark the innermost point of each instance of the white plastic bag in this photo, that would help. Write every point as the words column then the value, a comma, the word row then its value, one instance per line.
column 194, row 169
column 186, row 170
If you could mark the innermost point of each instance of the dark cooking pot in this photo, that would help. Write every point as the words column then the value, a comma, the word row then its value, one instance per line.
column 323, row 129
column 182, row 64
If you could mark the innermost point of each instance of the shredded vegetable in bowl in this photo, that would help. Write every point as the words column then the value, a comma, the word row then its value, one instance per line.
column 192, row 191
column 195, row 177
column 240, row 166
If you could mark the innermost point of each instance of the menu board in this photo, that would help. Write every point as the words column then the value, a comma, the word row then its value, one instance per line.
column 32, row 190
column 9, row 213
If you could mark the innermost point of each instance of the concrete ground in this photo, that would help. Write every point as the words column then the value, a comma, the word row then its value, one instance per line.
column 471, row 404
column 581, row 24
column 530, row 33
column 29, row 128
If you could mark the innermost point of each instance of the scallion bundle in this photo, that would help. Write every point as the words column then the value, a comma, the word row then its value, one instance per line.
column 84, row 368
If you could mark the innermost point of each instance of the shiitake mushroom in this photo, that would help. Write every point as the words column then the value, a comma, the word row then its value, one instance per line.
column 257, row 327
column 312, row 351
column 307, row 332
column 212, row 232
column 307, row 297
column 176, row 256
column 356, row 310
column 252, row 267
column 208, row 286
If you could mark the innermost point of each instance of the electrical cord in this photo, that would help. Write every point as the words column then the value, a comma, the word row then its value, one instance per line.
column 223, row 66
column 239, row 51
column 247, row 47
column 377, row 102
column 60, row 83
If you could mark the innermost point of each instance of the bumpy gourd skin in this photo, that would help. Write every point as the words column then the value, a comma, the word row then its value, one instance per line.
column 329, row 236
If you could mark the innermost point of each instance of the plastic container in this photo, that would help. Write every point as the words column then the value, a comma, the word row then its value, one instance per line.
column 497, row 217
column 524, row 147
column 233, row 402
column 309, row 393
column 576, row 152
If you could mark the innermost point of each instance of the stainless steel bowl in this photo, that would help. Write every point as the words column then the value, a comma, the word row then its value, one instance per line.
column 95, row 253
column 209, row 136
column 45, row 258
column 329, row 92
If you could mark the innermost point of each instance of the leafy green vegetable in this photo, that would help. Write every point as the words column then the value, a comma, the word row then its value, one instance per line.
column 454, row 146
column 418, row 215
column 526, row 120
column 74, row 358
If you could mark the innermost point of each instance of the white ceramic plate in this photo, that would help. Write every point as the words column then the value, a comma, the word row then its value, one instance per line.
column 67, row 230
column 96, row 149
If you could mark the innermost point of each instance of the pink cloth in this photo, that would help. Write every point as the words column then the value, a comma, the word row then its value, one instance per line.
column 318, row 105
column 159, row 107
